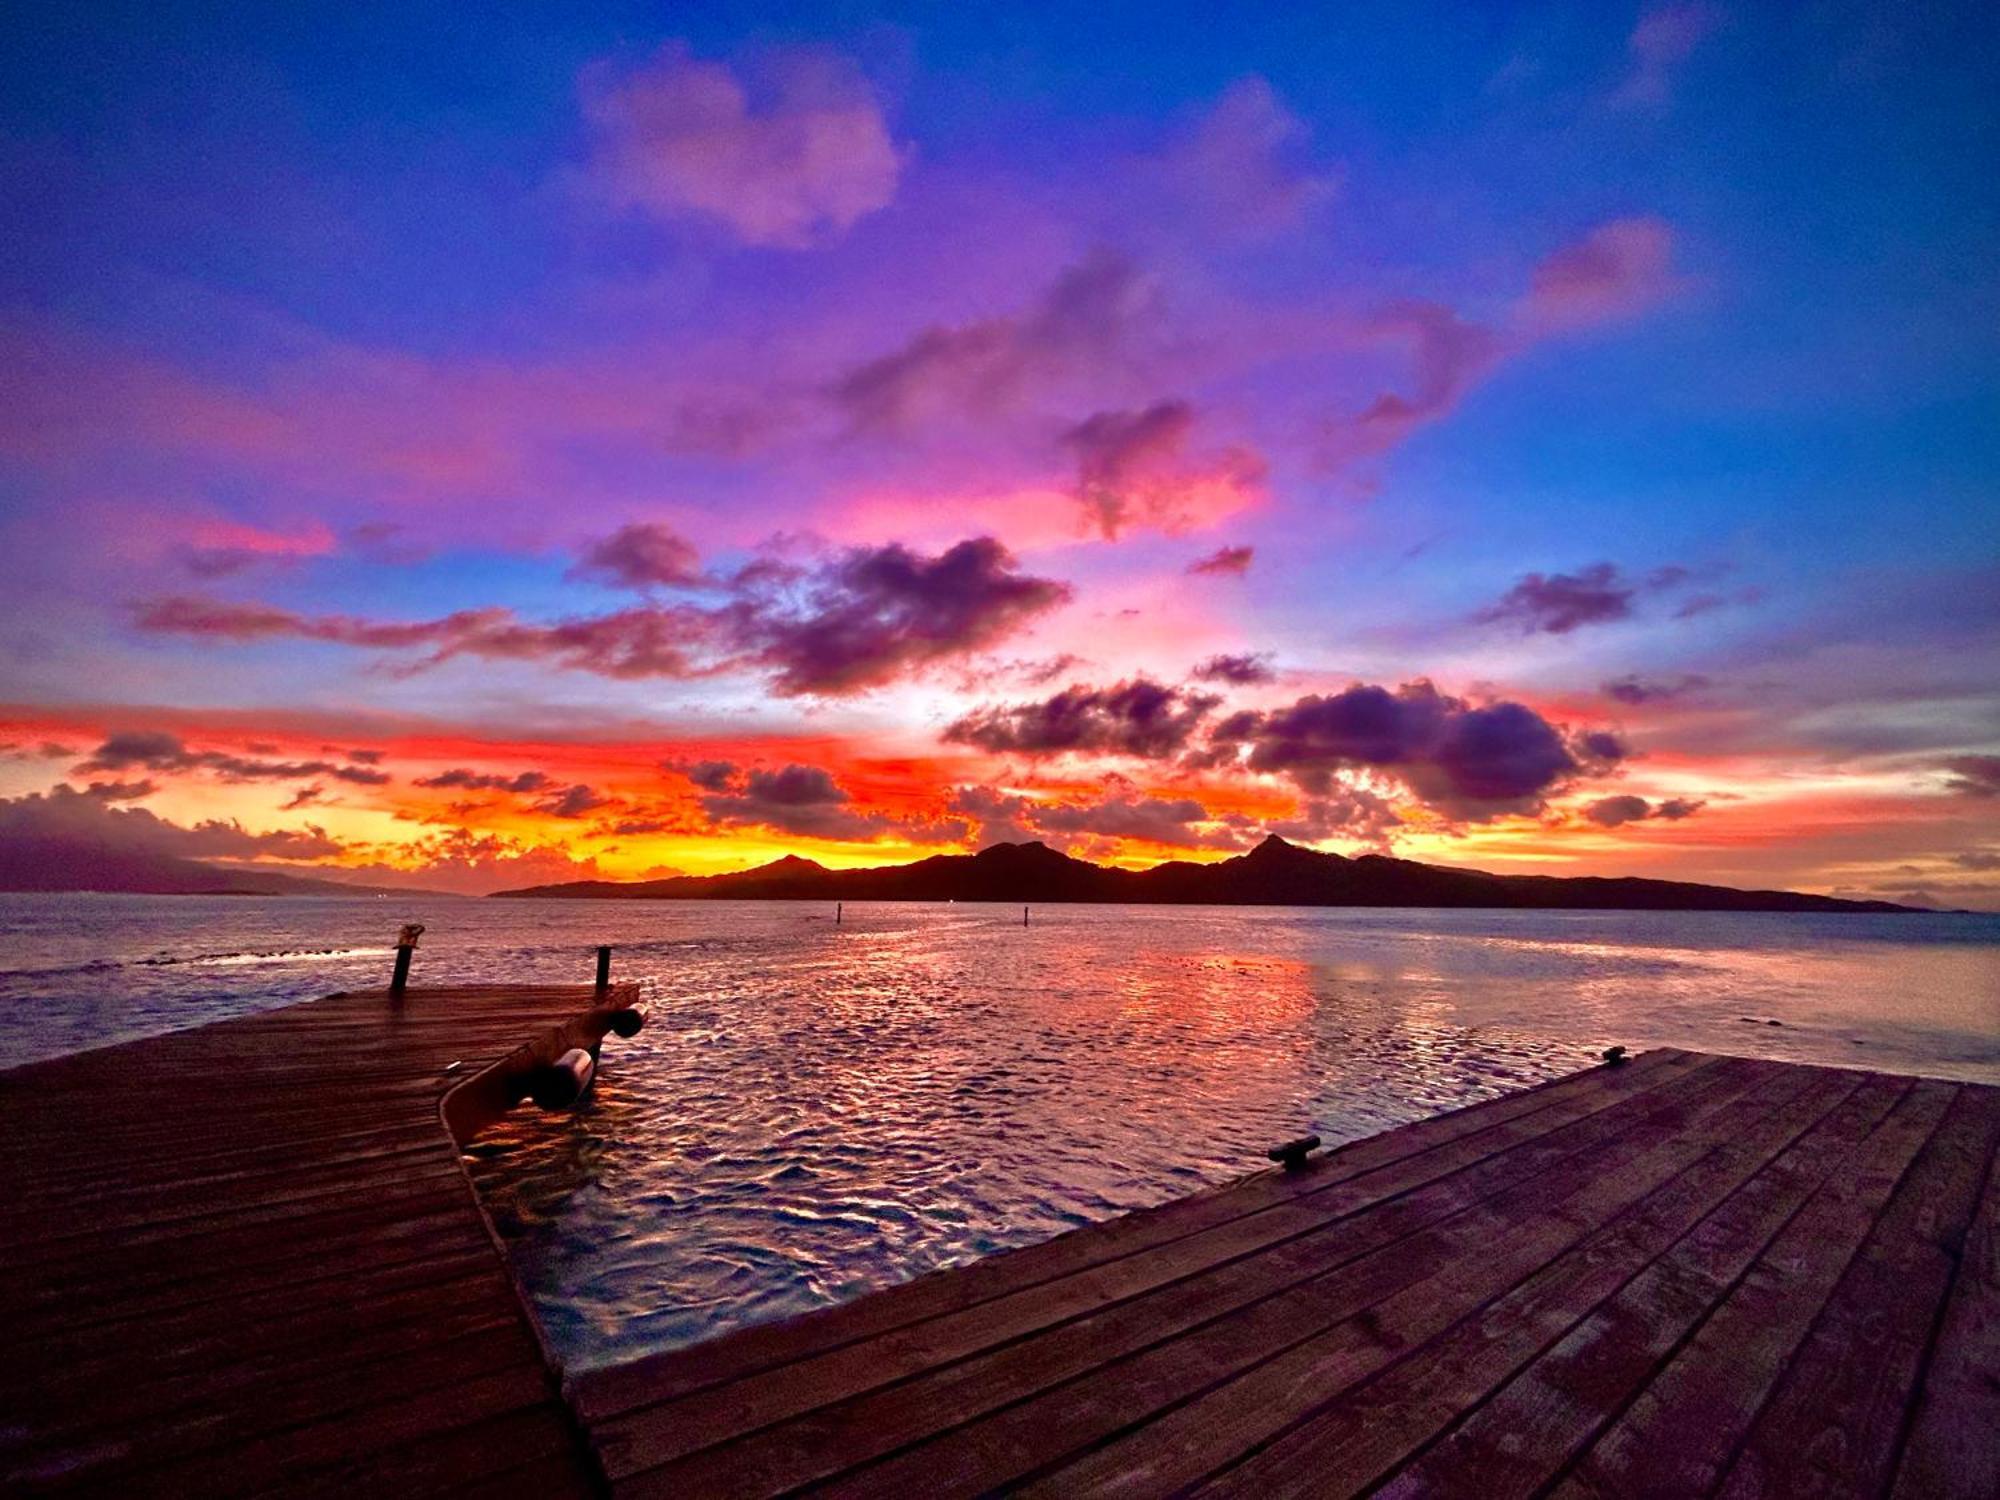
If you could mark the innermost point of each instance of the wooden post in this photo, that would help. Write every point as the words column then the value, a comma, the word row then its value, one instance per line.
column 406, row 945
column 603, row 969
column 1024, row 916
column 837, row 910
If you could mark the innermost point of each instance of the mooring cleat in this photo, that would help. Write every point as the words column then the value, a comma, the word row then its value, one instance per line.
column 1292, row 1155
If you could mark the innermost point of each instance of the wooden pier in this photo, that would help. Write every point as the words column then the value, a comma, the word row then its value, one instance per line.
column 245, row 1258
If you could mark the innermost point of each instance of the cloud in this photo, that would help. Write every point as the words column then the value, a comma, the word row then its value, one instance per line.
column 1234, row 561
column 1242, row 669
column 155, row 750
column 1473, row 762
column 1615, row 812
column 1635, row 690
column 1087, row 317
column 1618, row 269
column 1973, row 775
column 1245, row 163
column 804, row 800
column 573, row 802
column 648, row 641
column 464, row 779
column 642, row 555
column 710, row 775
column 1346, row 812
column 1134, row 468
column 1660, row 43
column 859, row 620
column 1557, row 603
column 220, row 549
column 876, row 614
column 1447, row 355
column 83, row 826
column 682, row 138
column 1615, row 270
column 1137, row 718
column 130, row 791
column 1126, row 814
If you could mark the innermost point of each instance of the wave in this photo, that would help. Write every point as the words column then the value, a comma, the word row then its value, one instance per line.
column 235, row 958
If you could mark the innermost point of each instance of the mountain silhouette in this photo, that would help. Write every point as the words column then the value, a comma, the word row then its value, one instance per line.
column 1275, row 873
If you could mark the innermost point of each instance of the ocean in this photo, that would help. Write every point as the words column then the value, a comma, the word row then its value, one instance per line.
column 816, row 1109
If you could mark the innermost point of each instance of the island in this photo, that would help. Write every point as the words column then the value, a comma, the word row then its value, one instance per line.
column 1275, row 873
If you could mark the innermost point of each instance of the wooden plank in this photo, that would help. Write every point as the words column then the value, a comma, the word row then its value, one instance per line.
column 1680, row 1432
column 1832, row 1424
column 1563, row 1245
column 262, row 1264
column 658, row 1435
column 1000, row 1448
column 1949, row 1452
column 602, row 1394
column 1524, row 1434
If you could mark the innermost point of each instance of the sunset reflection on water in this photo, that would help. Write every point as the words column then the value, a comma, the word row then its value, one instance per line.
column 822, row 1110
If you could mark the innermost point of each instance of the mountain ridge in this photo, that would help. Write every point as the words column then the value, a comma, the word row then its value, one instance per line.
column 1274, row 873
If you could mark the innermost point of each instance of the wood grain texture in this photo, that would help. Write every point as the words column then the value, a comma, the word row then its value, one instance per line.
column 246, row 1258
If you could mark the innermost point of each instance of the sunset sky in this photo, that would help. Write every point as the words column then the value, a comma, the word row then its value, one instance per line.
column 467, row 453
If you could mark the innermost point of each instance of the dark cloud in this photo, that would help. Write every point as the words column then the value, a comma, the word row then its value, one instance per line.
column 1140, row 718
column 464, row 779
column 859, row 620
column 1468, row 761
column 1242, row 669
column 710, row 775
column 1634, row 689
column 651, row 641
column 1978, row 859
column 155, row 750
column 573, row 802
column 1231, row 560
column 1973, row 775
column 1084, row 318
column 1614, row 812
column 120, row 791
column 878, row 614
column 83, row 825
column 1557, row 603
column 804, row 800
column 305, row 796
column 641, row 556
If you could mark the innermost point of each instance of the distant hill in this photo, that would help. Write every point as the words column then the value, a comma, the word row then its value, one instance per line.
column 1275, row 873
column 33, row 864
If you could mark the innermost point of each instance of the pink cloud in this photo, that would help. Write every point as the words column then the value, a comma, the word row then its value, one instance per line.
column 1618, row 269
column 1245, row 162
column 1448, row 356
column 1134, row 468
column 683, row 138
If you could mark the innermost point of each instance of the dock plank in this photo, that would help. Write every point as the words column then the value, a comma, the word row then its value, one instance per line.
column 247, row 1258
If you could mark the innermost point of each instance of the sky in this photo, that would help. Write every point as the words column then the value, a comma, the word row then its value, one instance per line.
column 646, row 439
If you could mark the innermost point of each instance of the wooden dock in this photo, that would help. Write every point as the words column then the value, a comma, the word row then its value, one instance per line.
column 245, row 1258
column 1684, row 1276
